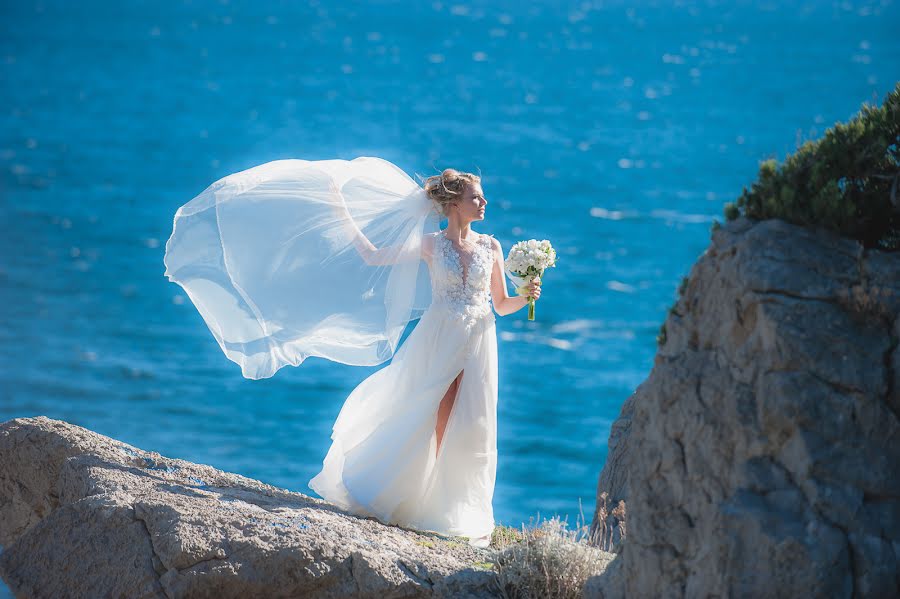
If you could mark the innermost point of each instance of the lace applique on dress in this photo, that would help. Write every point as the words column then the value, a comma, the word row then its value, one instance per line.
column 464, row 288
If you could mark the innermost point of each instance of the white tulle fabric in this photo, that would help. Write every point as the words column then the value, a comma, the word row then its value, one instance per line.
column 269, row 261
column 382, row 461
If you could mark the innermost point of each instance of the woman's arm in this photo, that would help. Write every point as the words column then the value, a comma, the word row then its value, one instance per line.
column 503, row 303
column 371, row 255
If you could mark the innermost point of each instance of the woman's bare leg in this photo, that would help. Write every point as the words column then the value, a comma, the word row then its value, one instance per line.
column 444, row 409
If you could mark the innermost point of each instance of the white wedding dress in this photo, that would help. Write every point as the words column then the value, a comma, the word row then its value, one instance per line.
column 383, row 461
column 278, row 259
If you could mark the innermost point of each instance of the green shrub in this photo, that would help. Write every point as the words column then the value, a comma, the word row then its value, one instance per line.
column 848, row 181
column 732, row 211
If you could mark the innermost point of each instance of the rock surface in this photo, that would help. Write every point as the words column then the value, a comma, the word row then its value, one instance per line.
column 85, row 515
column 762, row 455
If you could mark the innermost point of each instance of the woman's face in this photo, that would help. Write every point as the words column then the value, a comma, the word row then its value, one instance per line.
column 471, row 206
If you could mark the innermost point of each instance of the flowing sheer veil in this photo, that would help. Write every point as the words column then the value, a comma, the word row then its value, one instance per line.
column 276, row 260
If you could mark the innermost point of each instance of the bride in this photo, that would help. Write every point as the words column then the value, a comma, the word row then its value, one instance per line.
column 294, row 258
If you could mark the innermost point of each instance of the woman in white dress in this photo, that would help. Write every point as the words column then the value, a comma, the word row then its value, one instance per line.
column 333, row 258
column 416, row 443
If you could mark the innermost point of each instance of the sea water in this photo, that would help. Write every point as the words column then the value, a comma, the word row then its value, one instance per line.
column 617, row 130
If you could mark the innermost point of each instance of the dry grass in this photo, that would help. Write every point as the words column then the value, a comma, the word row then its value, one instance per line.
column 548, row 560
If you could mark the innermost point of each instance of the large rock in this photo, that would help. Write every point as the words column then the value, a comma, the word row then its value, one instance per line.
column 762, row 455
column 88, row 516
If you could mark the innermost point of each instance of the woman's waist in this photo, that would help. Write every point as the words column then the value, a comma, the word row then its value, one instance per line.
column 467, row 309
column 461, row 305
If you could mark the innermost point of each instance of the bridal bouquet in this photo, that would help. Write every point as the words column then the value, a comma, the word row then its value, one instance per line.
column 526, row 262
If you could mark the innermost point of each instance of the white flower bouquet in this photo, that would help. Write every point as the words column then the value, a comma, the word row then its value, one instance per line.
column 526, row 262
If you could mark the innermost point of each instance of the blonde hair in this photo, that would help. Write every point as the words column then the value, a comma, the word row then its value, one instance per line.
column 446, row 188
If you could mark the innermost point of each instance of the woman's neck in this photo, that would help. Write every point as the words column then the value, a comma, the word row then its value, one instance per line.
column 459, row 232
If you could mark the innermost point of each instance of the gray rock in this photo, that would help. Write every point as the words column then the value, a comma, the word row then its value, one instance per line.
column 83, row 515
column 762, row 455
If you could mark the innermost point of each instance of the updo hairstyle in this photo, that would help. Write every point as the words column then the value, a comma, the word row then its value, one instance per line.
column 448, row 187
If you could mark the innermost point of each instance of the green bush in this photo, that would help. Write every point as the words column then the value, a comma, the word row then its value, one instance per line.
column 848, row 181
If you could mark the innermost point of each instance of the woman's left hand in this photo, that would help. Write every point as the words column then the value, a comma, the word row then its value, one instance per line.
column 535, row 289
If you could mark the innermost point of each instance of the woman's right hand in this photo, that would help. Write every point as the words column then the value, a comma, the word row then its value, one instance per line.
column 535, row 288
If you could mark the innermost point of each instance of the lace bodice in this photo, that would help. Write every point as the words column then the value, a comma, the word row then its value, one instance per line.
column 463, row 286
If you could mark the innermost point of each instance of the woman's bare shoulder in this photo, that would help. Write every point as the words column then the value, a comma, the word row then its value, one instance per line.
column 489, row 238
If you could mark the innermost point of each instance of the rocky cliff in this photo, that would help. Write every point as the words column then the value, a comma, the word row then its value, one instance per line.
column 83, row 515
column 762, row 455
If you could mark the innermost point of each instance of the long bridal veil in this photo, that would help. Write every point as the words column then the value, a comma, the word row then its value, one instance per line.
column 272, row 259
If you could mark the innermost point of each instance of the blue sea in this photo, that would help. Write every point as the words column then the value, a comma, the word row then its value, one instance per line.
column 617, row 130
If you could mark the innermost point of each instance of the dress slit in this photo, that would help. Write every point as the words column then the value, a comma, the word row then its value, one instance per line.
column 458, row 380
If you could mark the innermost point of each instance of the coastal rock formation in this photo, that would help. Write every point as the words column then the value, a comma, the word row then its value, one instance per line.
column 762, row 455
column 85, row 515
